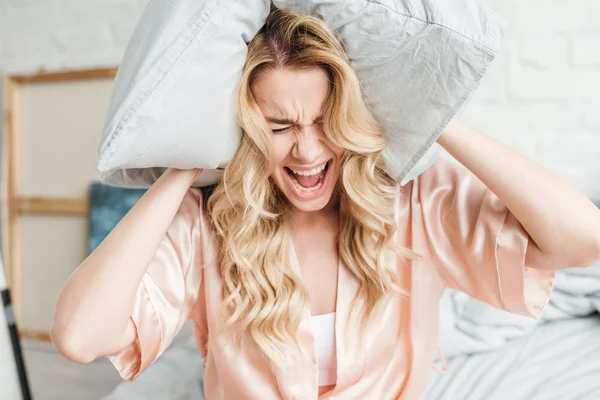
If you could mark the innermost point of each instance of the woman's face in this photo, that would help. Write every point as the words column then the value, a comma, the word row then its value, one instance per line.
column 307, row 163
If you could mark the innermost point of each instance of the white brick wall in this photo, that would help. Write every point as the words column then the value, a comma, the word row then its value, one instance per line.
column 64, row 34
column 541, row 95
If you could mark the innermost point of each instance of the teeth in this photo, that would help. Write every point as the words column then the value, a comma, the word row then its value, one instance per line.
column 313, row 171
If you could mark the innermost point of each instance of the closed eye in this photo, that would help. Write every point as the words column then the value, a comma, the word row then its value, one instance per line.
column 281, row 130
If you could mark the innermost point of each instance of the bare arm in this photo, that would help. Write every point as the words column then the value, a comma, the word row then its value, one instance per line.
column 91, row 317
column 563, row 223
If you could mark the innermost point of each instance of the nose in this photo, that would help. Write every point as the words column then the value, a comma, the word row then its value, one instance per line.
column 308, row 147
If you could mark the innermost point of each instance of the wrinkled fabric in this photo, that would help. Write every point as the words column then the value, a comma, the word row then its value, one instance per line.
column 468, row 241
column 174, row 98
column 555, row 361
column 469, row 326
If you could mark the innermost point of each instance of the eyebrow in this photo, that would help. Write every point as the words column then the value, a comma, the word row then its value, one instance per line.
column 284, row 121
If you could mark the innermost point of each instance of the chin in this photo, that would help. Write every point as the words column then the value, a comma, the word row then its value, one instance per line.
column 310, row 205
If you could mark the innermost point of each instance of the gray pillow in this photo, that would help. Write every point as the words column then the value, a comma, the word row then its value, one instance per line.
column 173, row 101
column 418, row 60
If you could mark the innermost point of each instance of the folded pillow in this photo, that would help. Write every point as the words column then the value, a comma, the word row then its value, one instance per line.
column 173, row 100
column 173, row 104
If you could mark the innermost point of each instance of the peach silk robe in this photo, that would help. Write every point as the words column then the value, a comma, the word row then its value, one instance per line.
column 468, row 239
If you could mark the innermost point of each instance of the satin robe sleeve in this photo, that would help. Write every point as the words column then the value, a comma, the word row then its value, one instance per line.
column 167, row 294
column 476, row 243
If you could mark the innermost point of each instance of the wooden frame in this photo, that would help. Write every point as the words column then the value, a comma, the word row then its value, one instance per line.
column 15, row 206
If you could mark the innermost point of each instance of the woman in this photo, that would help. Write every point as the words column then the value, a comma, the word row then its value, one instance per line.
column 308, row 272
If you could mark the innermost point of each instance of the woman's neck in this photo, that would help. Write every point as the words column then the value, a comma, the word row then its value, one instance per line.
column 328, row 215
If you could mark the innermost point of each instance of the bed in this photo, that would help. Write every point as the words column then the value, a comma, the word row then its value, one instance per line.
column 557, row 360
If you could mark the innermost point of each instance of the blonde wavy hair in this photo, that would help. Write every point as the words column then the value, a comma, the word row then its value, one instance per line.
column 263, row 295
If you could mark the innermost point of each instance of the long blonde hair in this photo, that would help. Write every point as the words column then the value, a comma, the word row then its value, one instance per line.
column 263, row 295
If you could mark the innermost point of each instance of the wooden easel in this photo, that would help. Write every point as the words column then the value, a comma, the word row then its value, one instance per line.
column 15, row 205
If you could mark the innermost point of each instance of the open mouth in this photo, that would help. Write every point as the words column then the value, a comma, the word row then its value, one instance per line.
column 308, row 182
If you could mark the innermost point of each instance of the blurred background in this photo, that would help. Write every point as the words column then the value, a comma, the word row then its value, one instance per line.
column 57, row 61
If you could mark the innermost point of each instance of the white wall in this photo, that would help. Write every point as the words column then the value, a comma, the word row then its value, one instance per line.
column 64, row 34
column 542, row 94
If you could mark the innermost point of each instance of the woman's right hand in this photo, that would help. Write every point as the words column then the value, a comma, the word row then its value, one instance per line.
column 92, row 313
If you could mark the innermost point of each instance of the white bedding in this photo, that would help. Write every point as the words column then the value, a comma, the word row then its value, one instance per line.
column 558, row 360
column 468, row 326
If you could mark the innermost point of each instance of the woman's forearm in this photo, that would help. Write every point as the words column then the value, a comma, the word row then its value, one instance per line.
column 94, row 305
column 561, row 221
